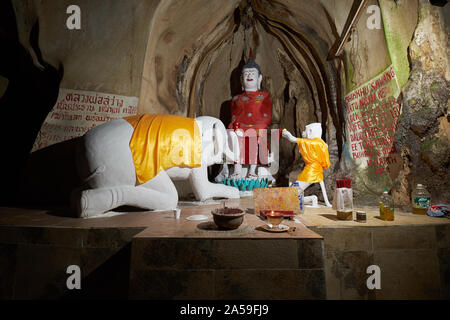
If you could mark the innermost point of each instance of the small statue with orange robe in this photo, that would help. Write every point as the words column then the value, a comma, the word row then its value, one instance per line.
column 314, row 152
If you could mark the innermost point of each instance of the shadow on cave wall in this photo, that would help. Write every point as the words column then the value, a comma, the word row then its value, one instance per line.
column 31, row 94
column 225, row 107
column 235, row 88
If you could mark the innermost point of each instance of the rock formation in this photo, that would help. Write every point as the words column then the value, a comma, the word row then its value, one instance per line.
column 422, row 137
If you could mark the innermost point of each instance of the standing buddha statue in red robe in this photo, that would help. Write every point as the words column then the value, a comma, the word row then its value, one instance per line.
column 251, row 114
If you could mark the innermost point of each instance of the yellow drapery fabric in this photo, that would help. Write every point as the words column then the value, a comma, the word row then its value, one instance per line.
column 162, row 141
column 316, row 157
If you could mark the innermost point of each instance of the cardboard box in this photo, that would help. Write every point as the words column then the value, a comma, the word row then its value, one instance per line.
column 283, row 199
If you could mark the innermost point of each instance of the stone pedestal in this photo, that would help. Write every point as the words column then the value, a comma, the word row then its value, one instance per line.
column 194, row 260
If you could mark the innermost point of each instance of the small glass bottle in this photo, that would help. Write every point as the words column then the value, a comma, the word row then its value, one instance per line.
column 301, row 198
column 421, row 200
column 386, row 207
column 301, row 194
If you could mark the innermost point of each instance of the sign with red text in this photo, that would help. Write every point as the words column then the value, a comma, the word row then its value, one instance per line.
column 77, row 111
column 372, row 114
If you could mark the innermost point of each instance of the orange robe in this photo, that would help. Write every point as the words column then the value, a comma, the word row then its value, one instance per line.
column 316, row 157
column 162, row 141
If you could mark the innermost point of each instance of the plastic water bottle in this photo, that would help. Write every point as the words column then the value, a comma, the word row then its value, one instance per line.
column 386, row 207
column 300, row 196
column 421, row 200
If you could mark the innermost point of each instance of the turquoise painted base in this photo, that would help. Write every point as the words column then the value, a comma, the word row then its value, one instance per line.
column 246, row 184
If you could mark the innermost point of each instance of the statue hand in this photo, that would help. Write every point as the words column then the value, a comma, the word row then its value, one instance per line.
column 286, row 134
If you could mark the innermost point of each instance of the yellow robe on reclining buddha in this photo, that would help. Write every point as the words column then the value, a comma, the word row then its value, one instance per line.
column 316, row 157
column 162, row 141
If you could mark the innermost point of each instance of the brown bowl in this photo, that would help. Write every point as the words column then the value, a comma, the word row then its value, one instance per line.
column 228, row 218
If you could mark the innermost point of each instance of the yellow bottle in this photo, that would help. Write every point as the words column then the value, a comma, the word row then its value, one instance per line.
column 421, row 200
column 386, row 207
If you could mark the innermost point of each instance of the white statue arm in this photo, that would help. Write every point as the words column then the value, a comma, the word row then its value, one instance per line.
column 286, row 134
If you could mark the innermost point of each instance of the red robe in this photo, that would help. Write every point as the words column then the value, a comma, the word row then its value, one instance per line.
column 252, row 110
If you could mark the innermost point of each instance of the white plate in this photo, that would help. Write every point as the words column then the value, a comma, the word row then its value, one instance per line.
column 197, row 217
column 280, row 228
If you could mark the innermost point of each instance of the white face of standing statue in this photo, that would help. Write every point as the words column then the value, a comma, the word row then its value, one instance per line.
column 313, row 130
column 252, row 79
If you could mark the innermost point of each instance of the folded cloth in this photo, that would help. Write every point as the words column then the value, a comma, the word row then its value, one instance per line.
column 438, row 210
column 163, row 141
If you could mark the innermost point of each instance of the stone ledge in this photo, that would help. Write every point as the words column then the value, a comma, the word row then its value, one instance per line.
column 35, row 242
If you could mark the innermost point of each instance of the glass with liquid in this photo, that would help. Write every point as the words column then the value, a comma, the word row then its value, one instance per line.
column 344, row 203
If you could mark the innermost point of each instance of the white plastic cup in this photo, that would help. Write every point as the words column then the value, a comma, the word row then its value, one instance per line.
column 176, row 213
